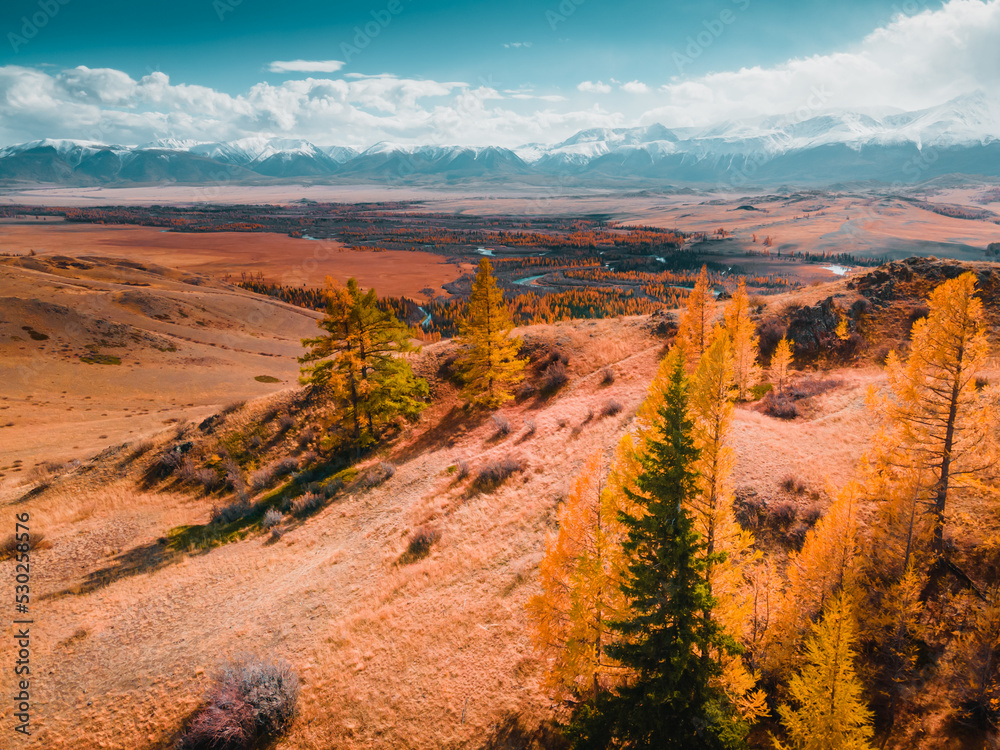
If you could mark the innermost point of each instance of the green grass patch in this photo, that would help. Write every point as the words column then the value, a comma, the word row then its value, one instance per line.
column 100, row 359
column 760, row 390
column 267, row 379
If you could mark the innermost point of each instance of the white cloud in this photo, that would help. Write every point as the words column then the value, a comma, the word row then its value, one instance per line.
column 912, row 63
column 516, row 45
column 305, row 66
column 635, row 87
column 594, row 87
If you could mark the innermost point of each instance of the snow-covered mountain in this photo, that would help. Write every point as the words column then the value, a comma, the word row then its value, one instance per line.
column 959, row 136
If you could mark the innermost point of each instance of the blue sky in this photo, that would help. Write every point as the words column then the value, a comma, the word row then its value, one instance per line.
column 501, row 72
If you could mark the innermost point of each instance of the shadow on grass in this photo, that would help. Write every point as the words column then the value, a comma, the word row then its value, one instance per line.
column 512, row 732
column 447, row 432
column 146, row 558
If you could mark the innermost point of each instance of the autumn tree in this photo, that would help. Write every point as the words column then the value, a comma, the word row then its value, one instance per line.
column 940, row 426
column 781, row 362
column 744, row 343
column 490, row 362
column 828, row 711
column 578, row 598
column 696, row 322
column 671, row 702
column 729, row 549
column 357, row 359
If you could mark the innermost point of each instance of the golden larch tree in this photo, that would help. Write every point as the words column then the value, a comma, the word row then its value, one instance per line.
column 744, row 342
column 829, row 711
column 940, row 424
column 490, row 362
column 695, row 327
column 711, row 405
column 579, row 596
column 781, row 363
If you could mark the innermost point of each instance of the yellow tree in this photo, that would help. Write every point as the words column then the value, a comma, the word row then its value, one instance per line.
column 744, row 343
column 781, row 362
column 579, row 596
column 940, row 425
column 830, row 712
column 490, row 361
column 695, row 327
column 830, row 561
column 712, row 391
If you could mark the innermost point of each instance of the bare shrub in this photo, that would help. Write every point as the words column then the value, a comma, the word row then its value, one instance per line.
column 793, row 485
column 140, row 449
column 782, row 515
column 501, row 423
column 530, row 426
column 308, row 504
column 376, row 475
column 272, row 518
column 781, row 407
column 461, row 469
column 163, row 465
column 771, row 332
column 233, row 407
column 306, row 437
column 252, row 700
column 419, row 545
column 494, row 473
column 208, row 478
column 266, row 475
column 554, row 377
column 611, row 408
column 607, row 375
column 307, row 458
column 285, row 422
column 237, row 510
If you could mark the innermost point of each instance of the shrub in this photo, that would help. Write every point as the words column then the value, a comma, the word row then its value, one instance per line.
column 781, row 407
column 140, row 448
column 611, row 408
column 791, row 484
column 771, row 332
column 308, row 504
column 208, row 479
column 285, row 422
column 233, row 407
column 164, row 464
column 461, row 469
column 252, row 700
column 501, row 423
column 419, row 545
column 237, row 510
column 530, row 426
column 749, row 509
column 554, row 377
column 306, row 437
column 607, row 375
column 272, row 518
column 494, row 473
column 782, row 516
column 379, row 473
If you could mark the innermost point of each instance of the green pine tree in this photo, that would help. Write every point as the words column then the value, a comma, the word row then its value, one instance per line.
column 357, row 361
column 490, row 363
column 673, row 700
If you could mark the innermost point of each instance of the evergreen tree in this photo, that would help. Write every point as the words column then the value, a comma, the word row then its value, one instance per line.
column 695, row 327
column 781, row 361
column 830, row 712
column 672, row 701
column 358, row 361
column 744, row 343
column 490, row 363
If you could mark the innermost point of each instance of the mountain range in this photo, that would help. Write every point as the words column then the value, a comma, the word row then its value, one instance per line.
column 961, row 136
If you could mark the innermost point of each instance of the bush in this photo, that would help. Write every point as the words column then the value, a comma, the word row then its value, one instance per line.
column 308, row 504
column 461, row 469
column 611, row 408
column 530, row 426
column 419, row 545
column 233, row 407
column 285, row 422
column 272, row 518
column 379, row 473
column 501, row 423
column 266, row 475
column 208, row 479
column 237, row 510
column 791, row 484
column 782, row 516
column 554, row 377
column 607, row 375
column 164, row 464
column 494, row 473
column 251, row 700
column 782, row 407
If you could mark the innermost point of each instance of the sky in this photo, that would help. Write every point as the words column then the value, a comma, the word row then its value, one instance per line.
column 503, row 73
